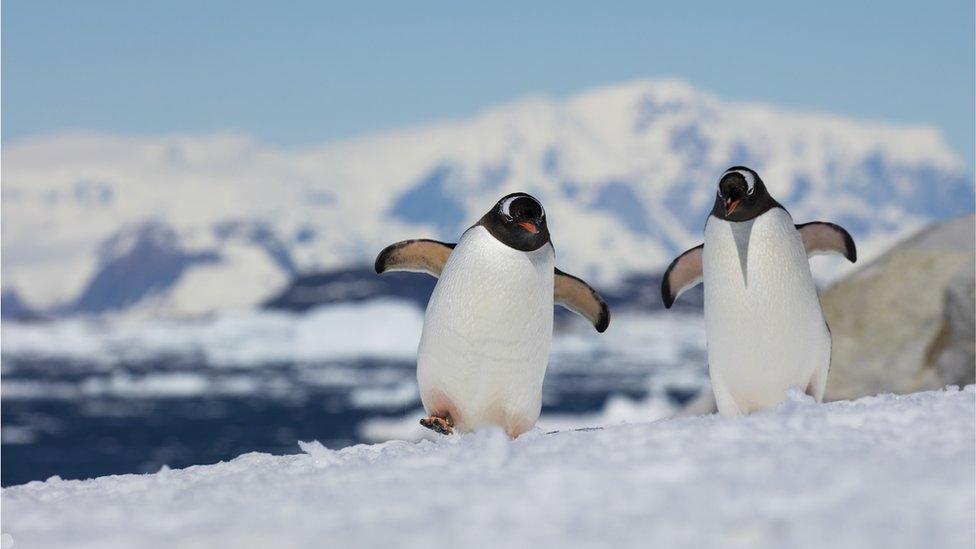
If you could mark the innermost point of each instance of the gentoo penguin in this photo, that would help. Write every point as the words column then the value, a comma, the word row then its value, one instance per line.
column 485, row 343
column 764, row 325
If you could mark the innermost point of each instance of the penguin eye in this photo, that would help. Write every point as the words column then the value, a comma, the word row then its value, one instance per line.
column 751, row 190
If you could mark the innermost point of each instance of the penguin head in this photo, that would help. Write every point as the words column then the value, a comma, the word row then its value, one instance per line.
column 518, row 221
column 742, row 195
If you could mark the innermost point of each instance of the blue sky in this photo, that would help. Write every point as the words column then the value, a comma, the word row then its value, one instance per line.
column 307, row 72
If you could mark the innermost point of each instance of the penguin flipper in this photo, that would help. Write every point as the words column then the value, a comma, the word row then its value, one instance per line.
column 418, row 256
column 820, row 237
column 578, row 296
column 684, row 273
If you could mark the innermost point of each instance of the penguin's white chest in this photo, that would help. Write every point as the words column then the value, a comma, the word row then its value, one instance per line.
column 764, row 322
column 487, row 330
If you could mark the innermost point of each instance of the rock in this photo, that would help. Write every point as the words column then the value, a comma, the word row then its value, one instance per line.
column 904, row 322
column 954, row 352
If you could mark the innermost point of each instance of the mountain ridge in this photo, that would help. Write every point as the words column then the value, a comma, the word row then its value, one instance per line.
column 626, row 173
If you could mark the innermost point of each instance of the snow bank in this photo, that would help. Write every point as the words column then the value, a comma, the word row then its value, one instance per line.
column 886, row 471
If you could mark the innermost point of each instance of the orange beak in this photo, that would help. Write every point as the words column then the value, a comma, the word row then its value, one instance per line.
column 731, row 205
column 529, row 226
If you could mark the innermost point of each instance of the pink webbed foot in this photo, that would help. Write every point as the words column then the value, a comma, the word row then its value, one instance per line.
column 442, row 425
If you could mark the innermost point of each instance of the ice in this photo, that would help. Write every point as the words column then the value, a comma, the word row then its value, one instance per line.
column 17, row 434
column 238, row 353
column 379, row 397
column 378, row 329
column 373, row 329
column 885, row 471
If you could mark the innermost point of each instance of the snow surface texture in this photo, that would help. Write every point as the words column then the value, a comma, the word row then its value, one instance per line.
column 886, row 471
column 192, row 224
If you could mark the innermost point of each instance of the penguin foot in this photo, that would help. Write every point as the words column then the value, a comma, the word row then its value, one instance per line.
column 442, row 425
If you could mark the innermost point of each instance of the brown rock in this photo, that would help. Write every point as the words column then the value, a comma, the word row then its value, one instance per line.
column 904, row 322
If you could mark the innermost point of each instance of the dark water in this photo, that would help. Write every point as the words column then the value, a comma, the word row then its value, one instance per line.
column 80, row 420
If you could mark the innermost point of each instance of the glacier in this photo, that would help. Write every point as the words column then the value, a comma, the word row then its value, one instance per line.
column 192, row 224
column 882, row 471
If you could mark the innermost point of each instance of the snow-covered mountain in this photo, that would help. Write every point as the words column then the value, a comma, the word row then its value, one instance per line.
column 191, row 224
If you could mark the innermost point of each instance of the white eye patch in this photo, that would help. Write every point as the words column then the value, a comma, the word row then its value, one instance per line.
column 507, row 203
column 747, row 175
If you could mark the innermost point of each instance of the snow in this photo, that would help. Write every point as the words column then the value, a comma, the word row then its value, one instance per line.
column 618, row 410
column 885, row 471
column 203, row 290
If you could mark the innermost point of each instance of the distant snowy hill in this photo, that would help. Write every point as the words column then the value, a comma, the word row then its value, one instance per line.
column 191, row 224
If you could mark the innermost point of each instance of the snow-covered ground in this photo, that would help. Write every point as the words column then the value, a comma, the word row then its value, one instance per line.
column 887, row 471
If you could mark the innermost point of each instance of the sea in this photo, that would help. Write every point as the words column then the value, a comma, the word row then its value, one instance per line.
column 87, row 397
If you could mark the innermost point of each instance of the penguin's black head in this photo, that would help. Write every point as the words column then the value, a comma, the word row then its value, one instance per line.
column 741, row 196
column 518, row 221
